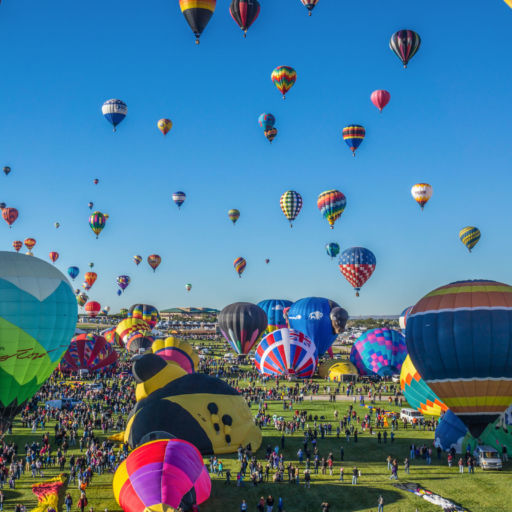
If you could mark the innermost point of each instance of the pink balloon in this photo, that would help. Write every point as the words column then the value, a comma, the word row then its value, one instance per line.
column 380, row 98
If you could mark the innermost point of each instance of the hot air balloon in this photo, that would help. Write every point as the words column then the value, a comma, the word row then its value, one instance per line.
column 154, row 261
column 197, row 14
column 90, row 278
column 379, row 352
column 357, row 265
column 284, row 78
column 91, row 264
column 291, row 205
column 450, row 433
column 179, row 198
column 92, row 309
column 145, row 312
column 353, row 135
column 123, row 282
column 177, row 351
column 29, row 243
column 86, row 286
column 188, row 287
column 88, row 352
column 402, row 319
column 57, row 225
column 97, row 222
column 114, row 111
column 469, row 236
column 81, row 299
column 165, row 126
column 233, row 215
column 112, row 337
column 312, row 316
column 38, row 318
column 405, row 44
column 331, row 204
column 105, row 311
column 242, row 324
column 90, row 205
column 421, row 193
column 2, row 206
column 164, row 475
column 10, row 215
column 460, row 341
column 123, row 312
column 240, row 265
column 17, row 244
column 137, row 259
column 54, row 256
column 7, row 170
column 96, row 181
column 332, row 249
column 135, row 334
column 244, row 12
column 106, row 215
column 266, row 121
column 418, row 395
column 286, row 353
column 274, row 309
column 339, row 319
column 270, row 134
column 309, row 4
column 267, row 261
column 380, row 98
column 119, row 292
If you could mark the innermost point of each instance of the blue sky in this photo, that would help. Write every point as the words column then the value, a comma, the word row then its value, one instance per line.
column 448, row 123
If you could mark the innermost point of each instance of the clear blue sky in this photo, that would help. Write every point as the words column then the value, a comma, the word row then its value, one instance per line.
column 448, row 123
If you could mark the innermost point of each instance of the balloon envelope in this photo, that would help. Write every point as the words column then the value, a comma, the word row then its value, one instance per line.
column 274, row 309
column 88, row 352
column 145, row 312
column 178, row 351
column 114, row 111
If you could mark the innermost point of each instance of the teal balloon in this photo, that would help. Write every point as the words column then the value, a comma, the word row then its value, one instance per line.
column 332, row 249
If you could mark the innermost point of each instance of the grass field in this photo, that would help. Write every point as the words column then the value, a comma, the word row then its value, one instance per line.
column 480, row 492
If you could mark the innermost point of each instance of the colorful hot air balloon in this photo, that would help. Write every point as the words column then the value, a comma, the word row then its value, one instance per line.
column 417, row 393
column 286, row 353
column 244, row 12
column 332, row 249
column 123, row 282
column 57, row 225
column 266, row 121
column 7, row 170
column 17, row 244
column 291, row 205
column 197, row 13
column 331, row 204
column 114, row 111
column 97, row 222
column 90, row 205
column 240, row 265
column 88, row 352
column 29, row 243
column 9, row 215
column 274, row 309
column 86, row 286
column 267, row 261
column 188, row 287
column 379, row 352
column 54, row 256
column 81, row 299
column 460, row 341
column 90, row 278
column 402, row 319
column 95, row 181
column 135, row 334
column 242, row 324
column 233, row 215
column 353, row 135
column 421, row 193
column 405, row 44
column 112, row 337
column 165, row 475
column 284, row 78
column 154, row 261
column 309, row 4
column 92, row 309
column 380, row 98
column 38, row 314
column 177, row 351
column 469, row 236
column 357, row 265
column 145, row 312
column 270, row 134
column 179, row 198
column 2, row 206
column 137, row 259
column 165, row 126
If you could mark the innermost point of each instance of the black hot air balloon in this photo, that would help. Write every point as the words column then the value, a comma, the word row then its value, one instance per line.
column 197, row 14
column 244, row 12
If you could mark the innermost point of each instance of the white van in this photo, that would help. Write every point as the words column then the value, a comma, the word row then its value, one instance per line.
column 487, row 458
column 410, row 414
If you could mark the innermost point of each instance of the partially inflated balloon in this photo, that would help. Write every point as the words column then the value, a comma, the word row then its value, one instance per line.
column 380, row 98
column 197, row 13
column 266, row 121
column 9, row 215
column 284, row 78
column 97, row 222
column 357, row 264
column 165, row 126
column 145, row 312
column 291, row 205
column 470, row 236
column 332, row 249
column 244, row 12
column 421, row 193
column 38, row 315
column 240, row 265
column 89, row 352
column 179, row 198
column 274, row 309
column 234, row 215
column 114, row 111
column 405, row 44
column 242, row 324
column 54, row 256
column 353, row 135
column 92, row 309
column 154, row 261
column 459, row 338
column 331, row 204
column 177, row 351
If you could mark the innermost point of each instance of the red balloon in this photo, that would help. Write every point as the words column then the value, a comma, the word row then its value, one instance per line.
column 54, row 256
column 17, row 244
column 92, row 308
column 380, row 98
column 9, row 215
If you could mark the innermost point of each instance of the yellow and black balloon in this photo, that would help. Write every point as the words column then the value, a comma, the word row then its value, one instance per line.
column 197, row 13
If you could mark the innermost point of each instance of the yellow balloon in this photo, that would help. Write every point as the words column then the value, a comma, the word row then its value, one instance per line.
column 165, row 126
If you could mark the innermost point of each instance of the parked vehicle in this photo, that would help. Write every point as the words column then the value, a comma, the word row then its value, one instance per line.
column 410, row 415
column 487, row 458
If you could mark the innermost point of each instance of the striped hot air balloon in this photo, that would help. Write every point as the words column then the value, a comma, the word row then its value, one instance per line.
column 421, row 193
column 54, row 256
column 291, row 205
column 123, row 282
column 284, row 78
column 405, row 44
column 332, row 249
column 245, row 13
column 198, row 14
column 353, row 135
column 240, row 265
column 331, row 204
column 30, row 243
column 137, row 259
column 310, row 5
column 177, row 351
column 97, row 222
column 402, row 319
column 470, row 236
column 88, row 352
column 145, row 312
column 114, row 111
column 154, row 261
column 357, row 264
column 270, row 134
column 233, row 215
column 179, row 198
column 17, row 245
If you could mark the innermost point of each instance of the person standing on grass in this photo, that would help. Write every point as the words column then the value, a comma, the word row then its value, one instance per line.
column 280, row 504
column 260, row 507
column 307, row 479
column 270, row 503
column 461, row 465
column 355, row 475
column 243, row 506
column 82, row 502
column 68, row 501
column 342, row 472
column 504, row 454
column 406, row 465
column 380, row 504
